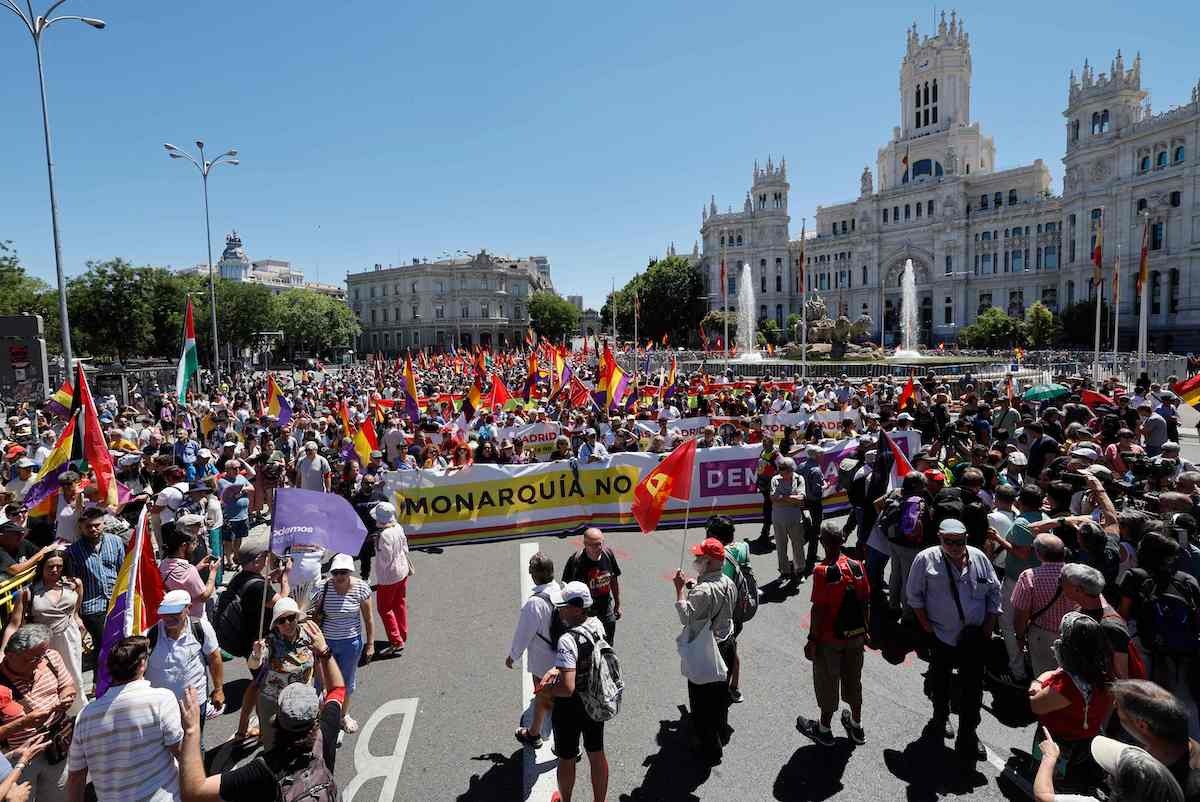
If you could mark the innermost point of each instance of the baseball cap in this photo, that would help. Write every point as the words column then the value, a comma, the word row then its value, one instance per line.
column 904, row 416
column 175, row 601
column 285, row 606
column 1085, row 453
column 383, row 513
column 26, row 462
column 229, row 444
column 934, row 475
column 1108, row 752
column 342, row 562
column 299, row 707
column 376, row 454
column 10, row 710
column 952, row 526
column 710, row 547
column 205, row 453
column 576, row 594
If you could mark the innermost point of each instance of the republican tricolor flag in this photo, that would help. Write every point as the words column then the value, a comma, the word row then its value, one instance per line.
column 133, row 606
column 277, row 406
column 410, row 390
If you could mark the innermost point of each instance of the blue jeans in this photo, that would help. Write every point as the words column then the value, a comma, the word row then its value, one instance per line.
column 346, row 652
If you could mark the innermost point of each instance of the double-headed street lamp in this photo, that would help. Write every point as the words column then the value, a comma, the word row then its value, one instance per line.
column 37, row 25
column 205, row 167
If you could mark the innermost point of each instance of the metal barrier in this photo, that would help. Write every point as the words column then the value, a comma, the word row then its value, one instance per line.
column 8, row 591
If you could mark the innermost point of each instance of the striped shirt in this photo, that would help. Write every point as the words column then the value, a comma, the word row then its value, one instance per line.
column 50, row 686
column 342, row 616
column 122, row 738
column 97, row 567
column 1035, row 588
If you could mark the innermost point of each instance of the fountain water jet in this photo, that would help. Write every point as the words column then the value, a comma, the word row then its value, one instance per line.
column 747, row 329
column 908, row 314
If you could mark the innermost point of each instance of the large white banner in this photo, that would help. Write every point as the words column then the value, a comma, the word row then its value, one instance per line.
column 495, row 502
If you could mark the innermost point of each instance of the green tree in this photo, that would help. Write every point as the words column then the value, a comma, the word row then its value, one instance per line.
column 19, row 291
column 714, row 325
column 792, row 321
column 312, row 322
column 671, row 301
column 111, row 309
column 768, row 332
column 553, row 317
column 1039, row 325
column 1078, row 324
column 993, row 329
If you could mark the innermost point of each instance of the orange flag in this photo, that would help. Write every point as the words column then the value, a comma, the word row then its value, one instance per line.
column 671, row 478
column 906, row 395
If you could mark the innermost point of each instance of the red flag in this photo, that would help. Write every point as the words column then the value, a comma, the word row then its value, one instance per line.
column 579, row 396
column 671, row 478
column 901, row 467
column 1091, row 398
column 95, row 449
column 1098, row 251
column 906, row 395
column 500, row 393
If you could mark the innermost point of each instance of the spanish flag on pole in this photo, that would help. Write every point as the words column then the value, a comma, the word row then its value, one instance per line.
column 1188, row 390
column 1098, row 252
column 1144, row 260
column 410, row 390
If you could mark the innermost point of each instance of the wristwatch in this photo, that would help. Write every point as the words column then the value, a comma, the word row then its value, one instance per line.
column 325, row 655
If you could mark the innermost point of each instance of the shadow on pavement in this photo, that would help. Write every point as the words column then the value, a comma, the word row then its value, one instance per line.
column 813, row 773
column 234, row 690
column 674, row 773
column 501, row 782
column 760, row 546
column 775, row 591
column 931, row 769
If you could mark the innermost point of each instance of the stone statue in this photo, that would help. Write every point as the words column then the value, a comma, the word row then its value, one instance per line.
column 867, row 185
column 951, row 161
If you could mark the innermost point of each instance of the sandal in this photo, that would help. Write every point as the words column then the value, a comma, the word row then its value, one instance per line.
column 528, row 738
column 251, row 734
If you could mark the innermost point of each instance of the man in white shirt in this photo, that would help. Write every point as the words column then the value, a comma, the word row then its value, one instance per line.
column 534, row 639
column 20, row 483
column 394, row 443
column 592, row 450
column 128, row 739
column 183, row 653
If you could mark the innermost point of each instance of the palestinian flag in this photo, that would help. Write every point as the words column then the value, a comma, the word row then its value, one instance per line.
column 188, row 362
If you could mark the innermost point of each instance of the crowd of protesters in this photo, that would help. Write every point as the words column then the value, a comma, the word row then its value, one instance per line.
column 1042, row 549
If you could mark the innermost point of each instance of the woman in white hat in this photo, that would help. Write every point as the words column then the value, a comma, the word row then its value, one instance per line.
column 343, row 609
column 279, row 659
column 1133, row 774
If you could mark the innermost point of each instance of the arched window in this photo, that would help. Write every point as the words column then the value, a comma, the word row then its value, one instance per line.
column 885, row 215
column 739, row 239
column 1012, row 197
column 1179, row 153
column 1155, row 293
column 779, row 315
column 917, row 99
column 722, row 239
column 1104, row 121
column 1095, row 123
column 948, row 314
column 1161, row 159
column 864, row 275
column 1141, row 204
column 778, row 283
column 1144, row 164
column 920, row 209
column 896, row 213
column 907, row 211
column 762, row 312
column 998, row 199
column 935, row 90
column 1075, row 130
column 1070, row 292
column 1173, row 291
column 929, row 208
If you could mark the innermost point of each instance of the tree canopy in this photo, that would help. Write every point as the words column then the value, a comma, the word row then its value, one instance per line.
column 671, row 301
column 553, row 317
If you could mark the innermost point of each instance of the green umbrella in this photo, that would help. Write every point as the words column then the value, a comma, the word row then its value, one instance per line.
column 1044, row 392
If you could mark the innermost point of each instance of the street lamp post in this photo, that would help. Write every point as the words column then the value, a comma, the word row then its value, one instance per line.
column 205, row 167
column 36, row 26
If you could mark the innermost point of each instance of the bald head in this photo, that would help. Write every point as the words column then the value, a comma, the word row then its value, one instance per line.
column 1049, row 548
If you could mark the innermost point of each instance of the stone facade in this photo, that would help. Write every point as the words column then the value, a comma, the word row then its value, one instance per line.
column 275, row 274
column 979, row 236
column 476, row 300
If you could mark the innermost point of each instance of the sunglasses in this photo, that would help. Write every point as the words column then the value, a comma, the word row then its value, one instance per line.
column 954, row 541
column 287, row 619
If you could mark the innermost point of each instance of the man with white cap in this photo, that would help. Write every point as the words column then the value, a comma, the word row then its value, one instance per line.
column 953, row 591
column 304, row 748
column 392, row 570
column 20, row 483
column 572, row 669
column 1133, row 774
column 184, row 652
column 592, row 450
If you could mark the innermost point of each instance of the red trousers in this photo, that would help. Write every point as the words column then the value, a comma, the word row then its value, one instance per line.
column 393, row 609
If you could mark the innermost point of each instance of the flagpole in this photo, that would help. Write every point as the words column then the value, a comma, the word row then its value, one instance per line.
column 1144, row 311
column 1116, row 306
column 803, row 307
column 635, row 338
column 1098, row 259
column 687, row 513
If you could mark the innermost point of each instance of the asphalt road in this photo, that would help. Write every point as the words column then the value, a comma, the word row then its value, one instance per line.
column 437, row 723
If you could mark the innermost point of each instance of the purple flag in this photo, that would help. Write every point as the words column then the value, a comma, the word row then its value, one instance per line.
column 311, row 518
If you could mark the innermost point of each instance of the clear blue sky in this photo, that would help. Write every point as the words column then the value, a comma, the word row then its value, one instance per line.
column 376, row 132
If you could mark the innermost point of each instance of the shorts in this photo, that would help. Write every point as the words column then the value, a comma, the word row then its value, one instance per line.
column 233, row 531
column 570, row 721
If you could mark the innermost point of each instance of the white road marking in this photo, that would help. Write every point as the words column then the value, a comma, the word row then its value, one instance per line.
column 368, row 766
column 540, row 780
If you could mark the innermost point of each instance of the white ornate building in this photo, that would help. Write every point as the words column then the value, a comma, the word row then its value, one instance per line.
column 275, row 274
column 979, row 236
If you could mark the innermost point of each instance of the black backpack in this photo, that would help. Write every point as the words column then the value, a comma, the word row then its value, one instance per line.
column 557, row 627
column 234, row 632
column 312, row 783
column 851, row 618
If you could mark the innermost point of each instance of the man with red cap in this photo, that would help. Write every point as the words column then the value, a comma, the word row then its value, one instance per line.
column 705, row 608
